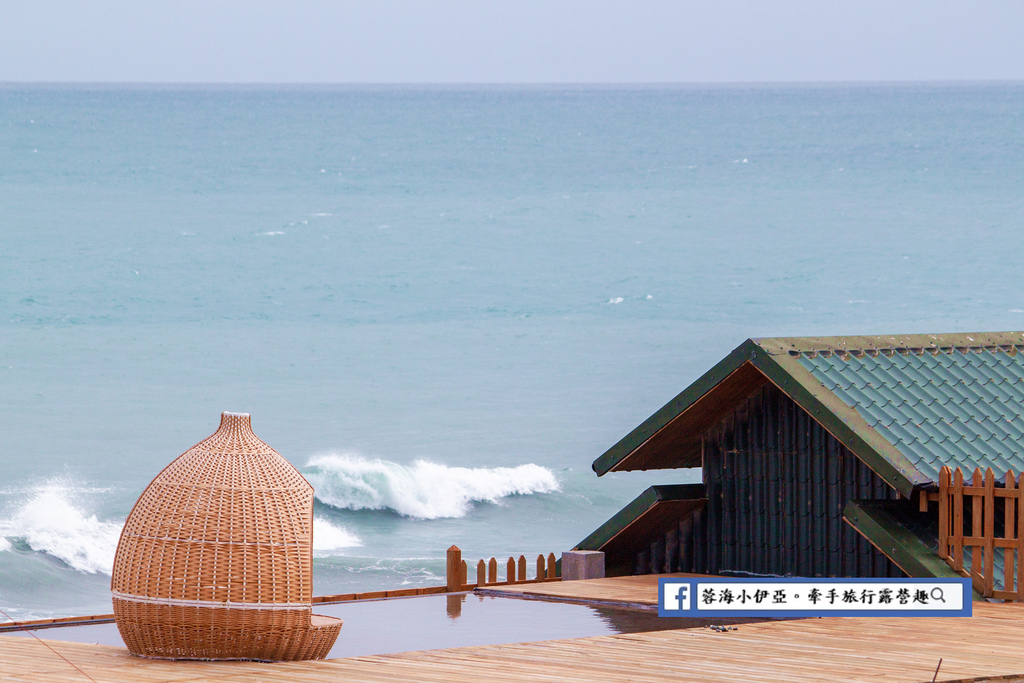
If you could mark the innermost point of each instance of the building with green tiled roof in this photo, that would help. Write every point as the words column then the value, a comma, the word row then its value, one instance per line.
column 814, row 454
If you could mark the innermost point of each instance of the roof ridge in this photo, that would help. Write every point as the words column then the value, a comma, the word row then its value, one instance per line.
column 904, row 344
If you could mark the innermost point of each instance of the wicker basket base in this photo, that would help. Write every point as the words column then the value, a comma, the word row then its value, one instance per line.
column 184, row 632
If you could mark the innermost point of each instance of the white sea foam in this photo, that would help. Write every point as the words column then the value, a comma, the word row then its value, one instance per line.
column 51, row 522
column 424, row 490
column 327, row 536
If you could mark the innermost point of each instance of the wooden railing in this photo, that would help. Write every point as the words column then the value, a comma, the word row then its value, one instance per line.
column 990, row 525
column 487, row 572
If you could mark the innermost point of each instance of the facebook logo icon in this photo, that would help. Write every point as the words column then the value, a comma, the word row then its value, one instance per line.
column 675, row 596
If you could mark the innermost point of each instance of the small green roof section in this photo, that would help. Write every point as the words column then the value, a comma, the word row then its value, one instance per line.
column 905, row 536
column 644, row 520
column 906, row 405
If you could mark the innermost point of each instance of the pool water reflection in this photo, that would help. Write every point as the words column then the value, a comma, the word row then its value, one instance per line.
column 441, row 621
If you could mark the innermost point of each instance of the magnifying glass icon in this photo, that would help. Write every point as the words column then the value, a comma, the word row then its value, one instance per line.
column 937, row 594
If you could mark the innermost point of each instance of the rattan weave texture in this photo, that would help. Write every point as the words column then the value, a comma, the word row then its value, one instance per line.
column 215, row 559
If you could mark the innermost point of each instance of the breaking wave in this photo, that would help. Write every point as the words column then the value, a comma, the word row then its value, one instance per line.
column 423, row 490
column 327, row 537
column 50, row 522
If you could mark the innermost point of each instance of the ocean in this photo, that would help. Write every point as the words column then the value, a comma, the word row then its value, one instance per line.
column 443, row 303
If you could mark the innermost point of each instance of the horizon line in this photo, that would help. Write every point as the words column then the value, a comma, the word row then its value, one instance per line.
column 516, row 84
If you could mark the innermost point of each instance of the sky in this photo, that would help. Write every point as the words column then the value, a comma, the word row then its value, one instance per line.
column 509, row 41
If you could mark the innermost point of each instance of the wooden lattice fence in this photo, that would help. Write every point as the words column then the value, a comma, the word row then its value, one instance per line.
column 981, row 530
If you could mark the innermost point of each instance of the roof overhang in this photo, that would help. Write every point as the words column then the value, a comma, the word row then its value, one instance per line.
column 885, row 525
column 644, row 520
column 672, row 437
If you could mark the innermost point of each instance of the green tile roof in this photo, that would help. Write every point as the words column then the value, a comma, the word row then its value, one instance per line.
column 905, row 404
column 951, row 407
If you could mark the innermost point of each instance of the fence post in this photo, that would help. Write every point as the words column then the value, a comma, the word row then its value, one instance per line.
column 958, row 520
column 481, row 573
column 521, row 572
column 552, row 568
column 977, row 502
column 990, row 533
column 540, row 567
column 944, row 513
column 1009, row 527
column 1020, row 537
column 492, row 571
column 454, row 570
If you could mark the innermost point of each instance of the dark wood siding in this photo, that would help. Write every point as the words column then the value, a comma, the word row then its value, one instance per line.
column 777, row 483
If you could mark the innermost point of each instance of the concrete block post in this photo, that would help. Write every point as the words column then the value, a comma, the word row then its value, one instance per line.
column 582, row 564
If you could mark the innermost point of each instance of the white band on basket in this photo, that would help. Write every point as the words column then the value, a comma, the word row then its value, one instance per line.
column 213, row 603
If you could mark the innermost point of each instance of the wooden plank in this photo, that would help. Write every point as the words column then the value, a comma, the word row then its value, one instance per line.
column 976, row 525
column 1020, row 537
column 958, row 520
column 873, row 650
column 378, row 595
column 1009, row 527
column 982, row 541
column 35, row 624
column 55, row 622
column 990, row 532
column 489, row 585
column 632, row 590
column 944, row 513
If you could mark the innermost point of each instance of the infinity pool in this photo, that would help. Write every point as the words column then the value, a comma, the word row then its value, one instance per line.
column 440, row 621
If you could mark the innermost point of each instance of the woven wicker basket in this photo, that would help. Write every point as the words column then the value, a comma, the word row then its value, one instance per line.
column 215, row 560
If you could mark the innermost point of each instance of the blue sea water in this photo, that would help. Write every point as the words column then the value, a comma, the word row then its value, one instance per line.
column 442, row 304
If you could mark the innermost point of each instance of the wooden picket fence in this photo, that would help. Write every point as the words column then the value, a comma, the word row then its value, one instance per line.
column 487, row 572
column 974, row 525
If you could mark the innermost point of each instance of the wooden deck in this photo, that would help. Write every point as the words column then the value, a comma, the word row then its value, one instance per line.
column 638, row 591
column 985, row 646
